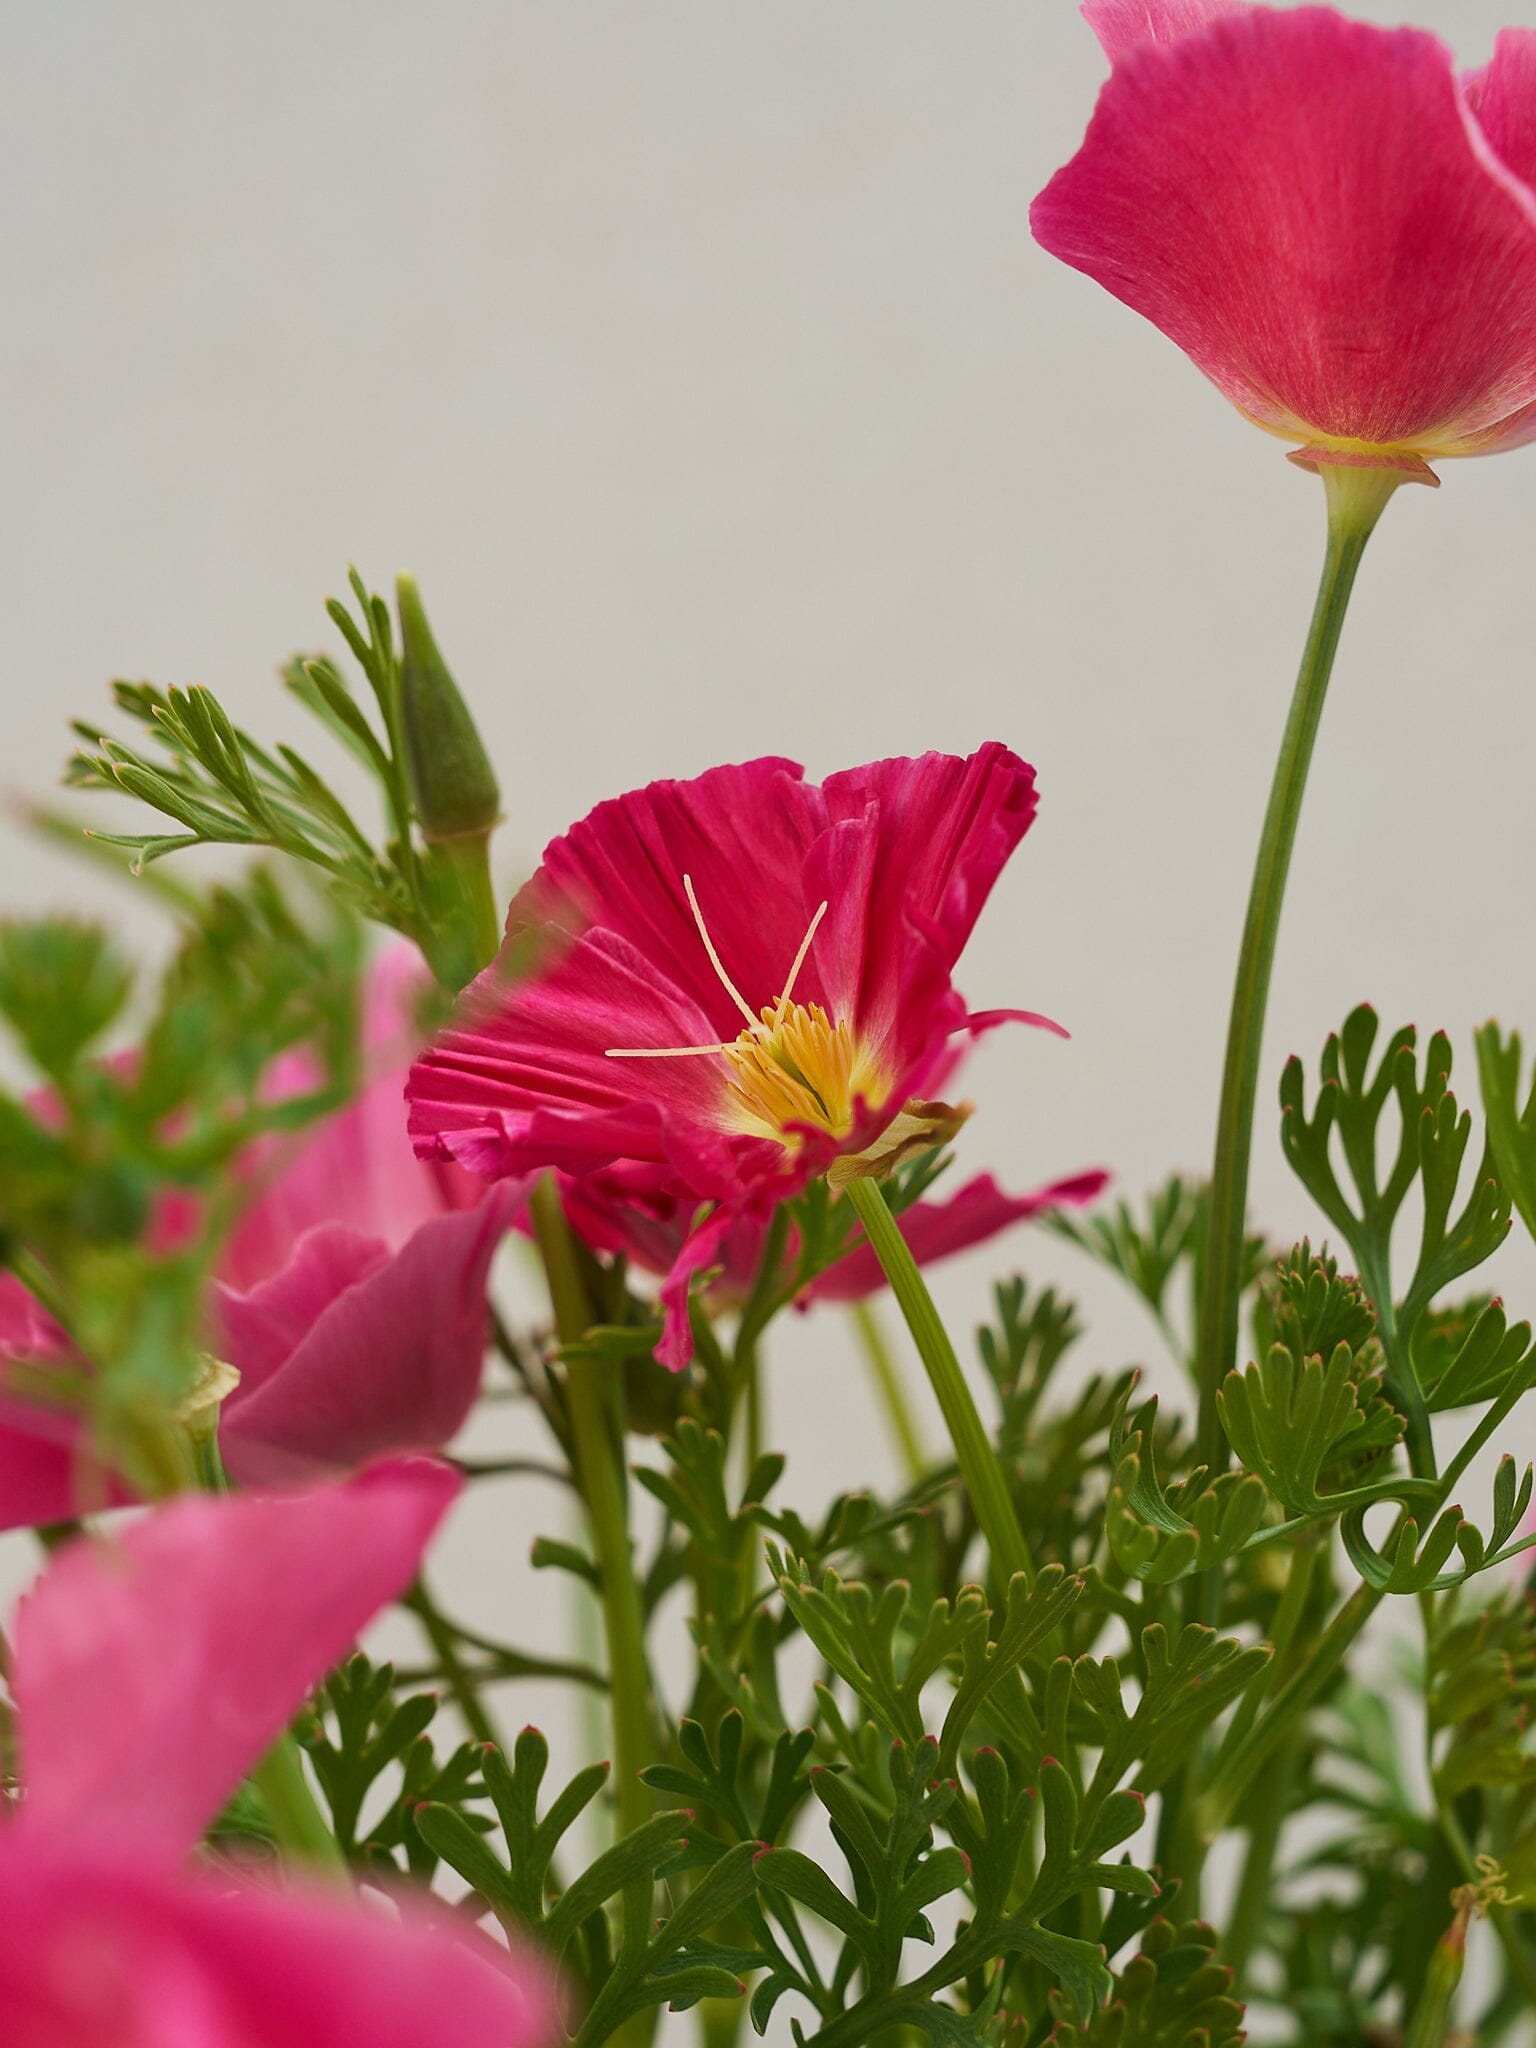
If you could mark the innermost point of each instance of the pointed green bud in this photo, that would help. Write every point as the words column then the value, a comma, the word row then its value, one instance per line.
column 453, row 787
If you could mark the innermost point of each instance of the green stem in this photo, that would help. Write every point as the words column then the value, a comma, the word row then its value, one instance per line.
column 893, row 1396
column 979, row 1467
column 1356, row 498
column 1235, row 1771
column 1256, row 1887
column 440, row 1634
column 302, row 1835
column 600, row 1472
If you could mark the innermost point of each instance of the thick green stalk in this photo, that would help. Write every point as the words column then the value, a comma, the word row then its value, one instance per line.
column 600, row 1470
column 1356, row 498
column 979, row 1468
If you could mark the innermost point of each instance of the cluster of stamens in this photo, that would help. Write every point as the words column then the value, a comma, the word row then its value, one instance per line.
column 791, row 1065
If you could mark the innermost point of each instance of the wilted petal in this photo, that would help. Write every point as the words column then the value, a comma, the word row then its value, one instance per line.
column 153, row 1669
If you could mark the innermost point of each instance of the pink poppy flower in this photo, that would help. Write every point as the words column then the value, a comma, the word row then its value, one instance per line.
column 1335, row 228
column 352, row 1352
column 649, row 1229
column 351, row 1299
column 356, row 1167
column 748, row 983
column 202, row 1628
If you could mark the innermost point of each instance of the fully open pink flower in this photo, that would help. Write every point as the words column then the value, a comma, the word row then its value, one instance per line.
column 614, row 1214
column 749, row 979
column 150, row 1674
column 1336, row 229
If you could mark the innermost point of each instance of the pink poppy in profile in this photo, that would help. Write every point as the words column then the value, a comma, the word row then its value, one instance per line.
column 613, row 1214
column 748, row 983
column 1339, row 231
column 150, row 1674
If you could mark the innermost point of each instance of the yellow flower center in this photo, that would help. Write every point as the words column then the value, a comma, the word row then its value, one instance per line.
column 791, row 1065
column 798, row 1067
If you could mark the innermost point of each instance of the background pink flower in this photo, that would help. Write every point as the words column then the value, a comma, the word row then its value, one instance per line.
column 351, row 1297
column 1336, row 230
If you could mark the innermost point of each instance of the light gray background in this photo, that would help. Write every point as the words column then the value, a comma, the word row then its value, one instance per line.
column 697, row 359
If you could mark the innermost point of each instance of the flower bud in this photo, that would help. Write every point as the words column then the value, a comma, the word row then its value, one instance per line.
column 453, row 787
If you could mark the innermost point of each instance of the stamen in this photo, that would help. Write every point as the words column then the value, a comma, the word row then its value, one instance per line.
column 716, row 962
column 660, row 1052
column 805, row 947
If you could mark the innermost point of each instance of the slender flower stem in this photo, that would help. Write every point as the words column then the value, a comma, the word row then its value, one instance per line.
column 893, row 1396
column 600, row 1470
column 1356, row 499
column 440, row 1634
column 979, row 1468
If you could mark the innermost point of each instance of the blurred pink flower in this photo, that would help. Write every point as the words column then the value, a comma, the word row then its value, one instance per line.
column 749, row 979
column 352, row 1352
column 150, row 1674
column 351, row 1297
column 1338, row 232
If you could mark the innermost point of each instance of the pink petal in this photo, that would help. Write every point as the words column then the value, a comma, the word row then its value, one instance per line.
column 704, row 1246
column 528, row 1082
column 27, row 1331
column 356, row 1168
column 351, row 1355
column 109, row 1953
column 151, row 1671
column 1121, row 24
column 47, row 1471
column 1305, row 205
column 741, row 833
column 1503, row 97
column 942, row 830
column 937, row 1230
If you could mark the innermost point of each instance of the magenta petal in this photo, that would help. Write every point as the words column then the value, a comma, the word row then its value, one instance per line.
column 1306, row 207
column 1121, row 24
column 350, row 1355
column 943, row 829
column 106, row 1953
column 153, row 1669
column 46, row 1472
column 937, row 1230
column 704, row 1246
column 1503, row 97
column 741, row 832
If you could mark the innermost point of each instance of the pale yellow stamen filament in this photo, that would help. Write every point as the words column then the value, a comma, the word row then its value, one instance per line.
column 715, row 961
column 760, row 1027
column 805, row 947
